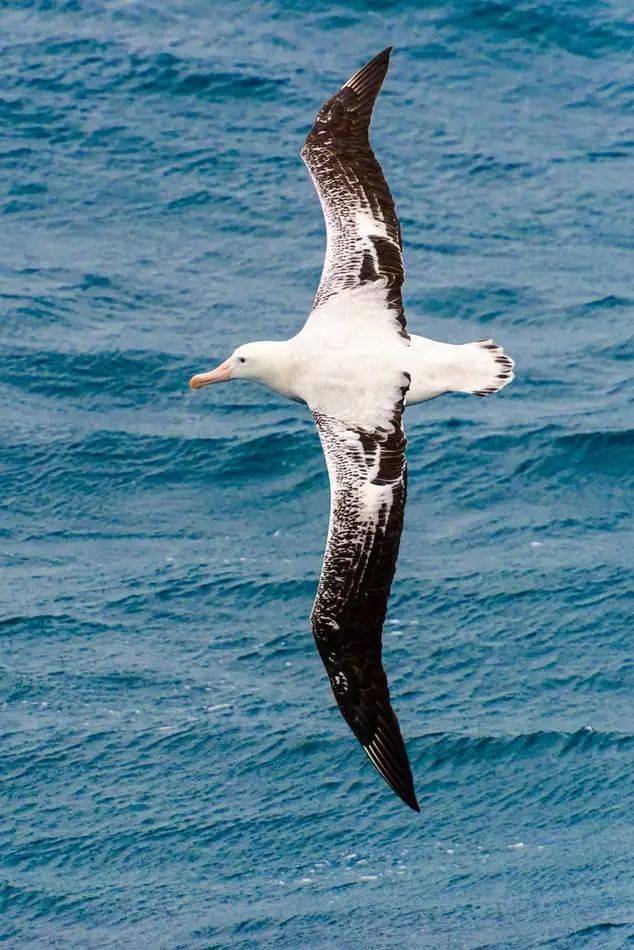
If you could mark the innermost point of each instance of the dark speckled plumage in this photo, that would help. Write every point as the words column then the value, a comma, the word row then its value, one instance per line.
column 355, row 582
column 367, row 469
column 350, row 182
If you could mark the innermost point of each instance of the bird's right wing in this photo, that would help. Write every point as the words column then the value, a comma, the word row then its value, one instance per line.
column 368, row 487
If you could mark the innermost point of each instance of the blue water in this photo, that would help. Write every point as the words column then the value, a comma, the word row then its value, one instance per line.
column 175, row 773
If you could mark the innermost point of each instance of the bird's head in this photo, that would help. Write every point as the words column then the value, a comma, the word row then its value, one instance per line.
column 252, row 361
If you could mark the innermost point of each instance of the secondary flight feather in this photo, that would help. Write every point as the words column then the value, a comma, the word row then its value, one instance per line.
column 356, row 366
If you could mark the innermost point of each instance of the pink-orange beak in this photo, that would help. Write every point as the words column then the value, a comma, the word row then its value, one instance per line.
column 218, row 375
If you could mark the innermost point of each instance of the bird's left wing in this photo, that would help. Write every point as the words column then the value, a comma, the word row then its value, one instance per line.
column 363, row 234
column 367, row 472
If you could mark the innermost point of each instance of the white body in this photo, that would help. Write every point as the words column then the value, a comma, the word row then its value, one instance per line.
column 348, row 362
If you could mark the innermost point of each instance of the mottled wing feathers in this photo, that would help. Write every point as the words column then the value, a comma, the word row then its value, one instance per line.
column 368, row 488
column 363, row 233
column 366, row 465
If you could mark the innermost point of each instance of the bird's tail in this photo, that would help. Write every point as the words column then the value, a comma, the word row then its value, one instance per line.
column 484, row 368
column 480, row 368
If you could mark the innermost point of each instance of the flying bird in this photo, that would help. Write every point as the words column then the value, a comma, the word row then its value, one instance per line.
column 356, row 366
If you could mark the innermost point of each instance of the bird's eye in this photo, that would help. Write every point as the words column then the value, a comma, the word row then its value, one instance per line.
column 242, row 359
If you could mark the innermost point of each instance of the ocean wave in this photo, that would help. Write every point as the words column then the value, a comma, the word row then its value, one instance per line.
column 574, row 27
column 580, row 453
column 487, row 302
column 97, row 66
column 125, row 375
column 167, row 73
column 607, row 302
column 50, row 625
column 119, row 458
column 115, row 459
column 571, row 938
column 439, row 749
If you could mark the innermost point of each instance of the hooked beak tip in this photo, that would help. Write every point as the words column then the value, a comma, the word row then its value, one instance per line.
column 221, row 374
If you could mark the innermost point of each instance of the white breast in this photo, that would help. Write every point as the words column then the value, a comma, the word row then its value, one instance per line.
column 349, row 362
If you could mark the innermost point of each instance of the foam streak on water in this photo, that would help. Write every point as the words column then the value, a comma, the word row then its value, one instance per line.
column 174, row 772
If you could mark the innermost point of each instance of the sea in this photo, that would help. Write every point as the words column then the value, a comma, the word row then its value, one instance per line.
column 175, row 772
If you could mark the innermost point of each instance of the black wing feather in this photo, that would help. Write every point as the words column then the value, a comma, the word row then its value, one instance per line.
column 368, row 491
column 364, row 243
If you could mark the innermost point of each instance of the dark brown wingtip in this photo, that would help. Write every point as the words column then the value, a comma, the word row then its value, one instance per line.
column 386, row 751
column 367, row 81
column 401, row 784
column 377, row 65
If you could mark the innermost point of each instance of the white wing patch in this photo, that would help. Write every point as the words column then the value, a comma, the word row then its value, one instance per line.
column 367, row 226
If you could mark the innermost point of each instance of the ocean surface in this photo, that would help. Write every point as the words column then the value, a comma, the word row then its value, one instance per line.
column 175, row 773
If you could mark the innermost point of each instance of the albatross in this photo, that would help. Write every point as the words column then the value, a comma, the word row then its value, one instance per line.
column 356, row 366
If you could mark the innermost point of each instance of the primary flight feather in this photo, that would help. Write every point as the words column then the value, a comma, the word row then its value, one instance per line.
column 356, row 366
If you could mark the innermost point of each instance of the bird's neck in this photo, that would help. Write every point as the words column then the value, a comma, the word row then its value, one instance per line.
column 279, row 367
